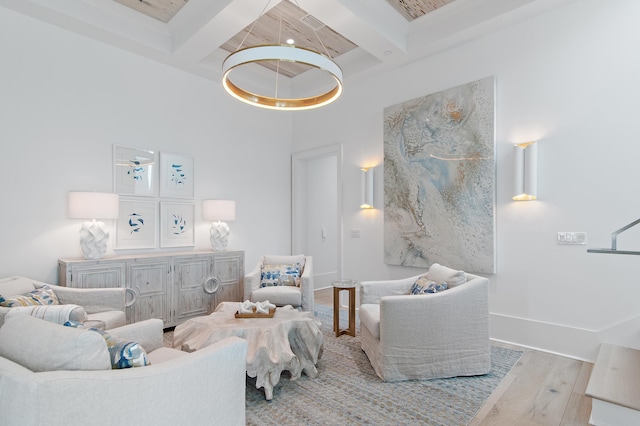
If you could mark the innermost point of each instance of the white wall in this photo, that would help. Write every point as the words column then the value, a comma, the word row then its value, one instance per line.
column 65, row 100
column 569, row 79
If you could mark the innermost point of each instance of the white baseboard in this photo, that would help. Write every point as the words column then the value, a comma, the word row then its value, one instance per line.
column 558, row 339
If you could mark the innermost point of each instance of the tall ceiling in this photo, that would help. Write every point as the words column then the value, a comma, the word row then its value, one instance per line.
column 362, row 36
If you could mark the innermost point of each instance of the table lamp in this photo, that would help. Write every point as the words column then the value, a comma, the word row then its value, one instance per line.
column 219, row 210
column 93, row 205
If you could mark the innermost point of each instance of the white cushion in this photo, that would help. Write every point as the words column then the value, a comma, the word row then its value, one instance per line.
column 44, row 346
column 13, row 286
column 112, row 319
column 370, row 318
column 441, row 273
column 279, row 295
column 164, row 354
column 278, row 259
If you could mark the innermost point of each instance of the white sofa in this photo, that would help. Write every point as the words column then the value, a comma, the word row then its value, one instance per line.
column 205, row 387
column 428, row 336
column 104, row 304
column 299, row 297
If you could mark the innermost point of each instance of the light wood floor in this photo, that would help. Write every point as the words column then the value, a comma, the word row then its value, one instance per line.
column 541, row 389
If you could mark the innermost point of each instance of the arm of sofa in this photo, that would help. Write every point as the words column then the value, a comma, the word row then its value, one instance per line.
column 199, row 388
column 93, row 300
column 148, row 333
column 252, row 281
column 372, row 291
column 307, row 286
column 454, row 319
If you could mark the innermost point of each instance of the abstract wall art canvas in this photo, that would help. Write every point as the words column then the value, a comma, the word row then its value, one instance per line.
column 439, row 179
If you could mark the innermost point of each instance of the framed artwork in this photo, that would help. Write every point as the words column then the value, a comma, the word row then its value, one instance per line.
column 134, row 171
column 137, row 226
column 176, row 176
column 176, row 224
column 439, row 179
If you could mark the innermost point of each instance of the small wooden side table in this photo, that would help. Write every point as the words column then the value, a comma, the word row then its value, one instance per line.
column 350, row 287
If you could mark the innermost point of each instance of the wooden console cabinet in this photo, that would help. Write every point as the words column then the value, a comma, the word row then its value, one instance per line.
column 171, row 286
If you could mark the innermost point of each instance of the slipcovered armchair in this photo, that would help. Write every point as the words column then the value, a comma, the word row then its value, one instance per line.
column 70, row 385
column 103, row 304
column 301, row 297
column 426, row 336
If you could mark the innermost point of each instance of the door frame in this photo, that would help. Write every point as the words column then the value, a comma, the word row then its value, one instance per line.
column 298, row 168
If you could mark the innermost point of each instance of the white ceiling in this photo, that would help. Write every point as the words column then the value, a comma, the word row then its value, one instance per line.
column 191, row 40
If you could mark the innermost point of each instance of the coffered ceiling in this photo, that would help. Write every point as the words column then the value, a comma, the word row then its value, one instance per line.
column 362, row 36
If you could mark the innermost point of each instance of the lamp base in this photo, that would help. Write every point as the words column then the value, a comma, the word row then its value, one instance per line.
column 93, row 239
column 219, row 236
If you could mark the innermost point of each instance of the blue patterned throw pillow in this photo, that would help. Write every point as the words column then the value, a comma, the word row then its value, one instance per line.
column 423, row 285
column 275, row 275
column 40, row 296
column 123, row 354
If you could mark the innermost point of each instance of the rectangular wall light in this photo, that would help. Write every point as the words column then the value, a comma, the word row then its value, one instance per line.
column 366, row 188
column 525, row 171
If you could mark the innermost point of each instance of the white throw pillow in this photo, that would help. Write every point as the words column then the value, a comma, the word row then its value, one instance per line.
column 441, row 273
column 44, row 346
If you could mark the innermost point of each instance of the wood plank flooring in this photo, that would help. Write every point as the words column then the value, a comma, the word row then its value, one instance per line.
column 541, row 389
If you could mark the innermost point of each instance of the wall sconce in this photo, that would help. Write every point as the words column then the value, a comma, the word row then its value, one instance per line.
column 366, row 188
column 525, row 171
column 219, row 210
column 93, row 205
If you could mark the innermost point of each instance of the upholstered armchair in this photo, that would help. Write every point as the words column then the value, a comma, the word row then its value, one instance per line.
column 299, row 296
column 103, row 304
column 426, row 336
column 69, row 385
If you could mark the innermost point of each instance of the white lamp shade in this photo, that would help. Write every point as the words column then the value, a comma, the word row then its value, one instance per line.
column 525, row 171
column 218, row 210
column 93, row 205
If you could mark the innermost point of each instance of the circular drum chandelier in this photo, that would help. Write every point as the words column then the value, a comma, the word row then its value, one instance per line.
column 278, row 53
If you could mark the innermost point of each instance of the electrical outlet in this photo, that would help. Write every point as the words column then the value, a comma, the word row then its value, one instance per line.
column 579, row 238
column 355, row 233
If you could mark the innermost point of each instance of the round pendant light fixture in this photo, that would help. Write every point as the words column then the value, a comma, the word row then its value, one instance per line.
column 287, row 53
column 281, row 53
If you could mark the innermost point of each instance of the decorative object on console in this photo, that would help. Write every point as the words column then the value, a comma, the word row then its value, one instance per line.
column 219, row 210
column 93, row 205
column 366, row 188
column 439, row 179
column 280, row 57
column 525, row 171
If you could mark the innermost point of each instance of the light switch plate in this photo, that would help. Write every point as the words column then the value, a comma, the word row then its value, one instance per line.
column 579, row 238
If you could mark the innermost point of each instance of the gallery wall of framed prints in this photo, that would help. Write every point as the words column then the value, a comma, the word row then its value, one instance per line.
column 156, row 191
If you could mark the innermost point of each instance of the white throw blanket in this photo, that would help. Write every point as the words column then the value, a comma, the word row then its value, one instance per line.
column 58, row 314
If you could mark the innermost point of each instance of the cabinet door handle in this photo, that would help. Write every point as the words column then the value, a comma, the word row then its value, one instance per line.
column 211, row 285
column 134, row 297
